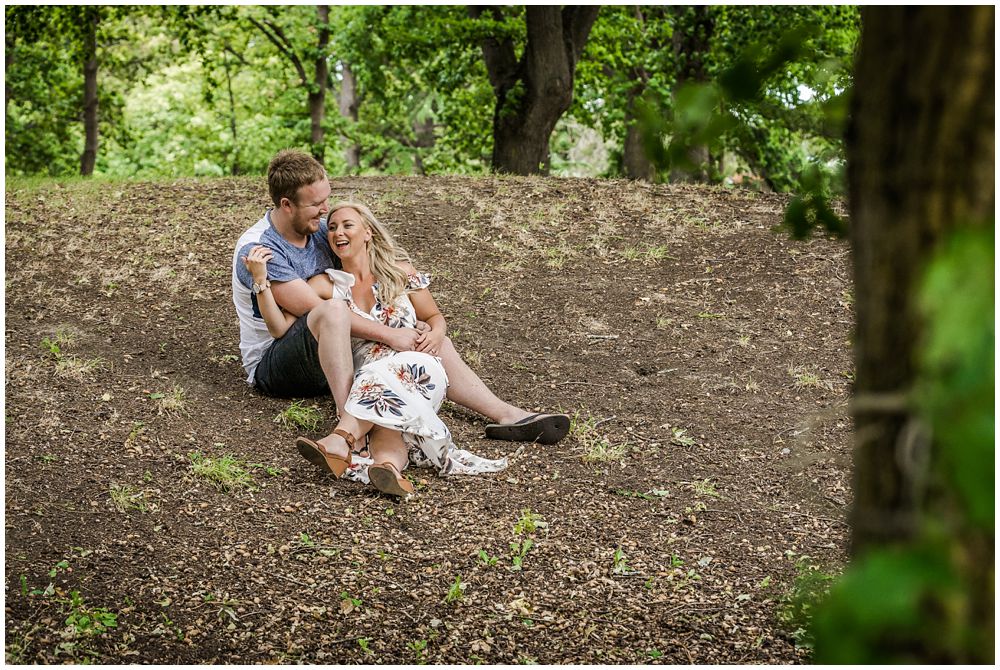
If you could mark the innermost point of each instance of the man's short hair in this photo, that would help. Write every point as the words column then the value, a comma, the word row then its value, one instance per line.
column 288, row 171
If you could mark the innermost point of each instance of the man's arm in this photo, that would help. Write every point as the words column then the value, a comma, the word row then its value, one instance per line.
column 298, row 297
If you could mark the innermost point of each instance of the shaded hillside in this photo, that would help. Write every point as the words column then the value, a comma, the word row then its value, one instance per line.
column 704, row 357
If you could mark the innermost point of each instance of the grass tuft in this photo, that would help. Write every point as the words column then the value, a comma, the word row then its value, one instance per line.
column 299, row 415
column 226, row 474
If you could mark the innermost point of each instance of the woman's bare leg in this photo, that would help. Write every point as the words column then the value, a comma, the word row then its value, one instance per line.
column 386, row 446
column 467, row 389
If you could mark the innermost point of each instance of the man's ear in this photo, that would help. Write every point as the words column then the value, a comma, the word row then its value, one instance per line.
column 286, row 204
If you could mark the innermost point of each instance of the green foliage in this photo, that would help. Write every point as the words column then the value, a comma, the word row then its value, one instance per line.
column 935, row 594
column 798, row 605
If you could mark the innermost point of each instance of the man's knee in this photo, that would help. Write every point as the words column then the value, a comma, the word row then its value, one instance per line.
column 330, row 315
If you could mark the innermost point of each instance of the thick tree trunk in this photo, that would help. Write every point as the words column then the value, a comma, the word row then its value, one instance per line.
column 533, row 93
column 635, row 162
column 920, row 152
column 348, row 101
column 89, row 157
column 692, row 37
column 317, row 90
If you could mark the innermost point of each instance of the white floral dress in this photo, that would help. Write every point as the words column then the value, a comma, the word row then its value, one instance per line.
column 402, row 390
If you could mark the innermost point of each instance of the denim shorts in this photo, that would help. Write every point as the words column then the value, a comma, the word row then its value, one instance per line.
column 290, row 367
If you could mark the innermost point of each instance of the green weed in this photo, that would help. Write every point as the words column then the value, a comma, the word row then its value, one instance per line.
column 227, row 473
column 528, row 522
column 619, row 564
column 704, row 487
column 127, row 498
column 172, row 402
column 518, row 552
column 456, row 591
column 299, row 415
column 85, row 621
column 679, row 437
column 363, row 642
column 486, row 559
column 797, row 606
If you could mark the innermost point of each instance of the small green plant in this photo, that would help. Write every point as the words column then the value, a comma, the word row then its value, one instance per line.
column 619, row 564
column 743, row 341
column 54, row 345
column 305, row 540
column 795, row 612
column 71, row 367
column 528, row 522
column 127, row 498
column 518, row 551
column 705, row 487
column 486, row 559
column 456, row 590
column 601, row 450
column 676, row 561
column 679, row 437
column 84, row 621
column 363, row 642
column 227, row 473
column 299, row 415
column 419, row 649
column 655, row 653
column 662, row 322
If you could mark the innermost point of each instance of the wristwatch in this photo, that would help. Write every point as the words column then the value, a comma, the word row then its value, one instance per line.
column 258, row 288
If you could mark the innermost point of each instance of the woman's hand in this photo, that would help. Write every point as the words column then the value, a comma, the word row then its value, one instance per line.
column 402, row 339
column 256, row 262
column 429, row 341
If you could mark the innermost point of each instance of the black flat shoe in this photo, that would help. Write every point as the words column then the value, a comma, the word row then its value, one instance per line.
column 541, row 428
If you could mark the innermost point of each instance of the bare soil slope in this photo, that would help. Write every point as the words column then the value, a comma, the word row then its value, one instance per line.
column 703, row 355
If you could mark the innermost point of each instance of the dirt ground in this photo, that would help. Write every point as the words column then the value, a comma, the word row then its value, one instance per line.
column 703, row 355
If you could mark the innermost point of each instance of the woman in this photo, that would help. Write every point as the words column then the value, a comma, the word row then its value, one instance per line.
column 398, row 394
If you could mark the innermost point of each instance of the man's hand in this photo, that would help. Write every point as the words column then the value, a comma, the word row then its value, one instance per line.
column 403, row 339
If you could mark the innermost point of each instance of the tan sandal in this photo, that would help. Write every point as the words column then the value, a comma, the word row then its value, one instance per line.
column 387, row 479
column 315, row 454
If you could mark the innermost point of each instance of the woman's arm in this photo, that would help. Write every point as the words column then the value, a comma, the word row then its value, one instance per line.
column 427, row 311
column 278, row 321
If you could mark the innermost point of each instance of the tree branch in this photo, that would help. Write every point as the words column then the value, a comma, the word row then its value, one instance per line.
column 501, row 62
column 278, row 39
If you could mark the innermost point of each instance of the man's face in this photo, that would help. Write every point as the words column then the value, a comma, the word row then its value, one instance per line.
column 311, row 204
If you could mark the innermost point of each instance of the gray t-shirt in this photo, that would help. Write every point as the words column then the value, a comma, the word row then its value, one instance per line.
column 287, row 263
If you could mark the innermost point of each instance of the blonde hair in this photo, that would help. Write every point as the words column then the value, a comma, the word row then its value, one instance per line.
column 383, row 254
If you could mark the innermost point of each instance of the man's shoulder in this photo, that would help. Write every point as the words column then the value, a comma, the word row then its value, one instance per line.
column 254, row 233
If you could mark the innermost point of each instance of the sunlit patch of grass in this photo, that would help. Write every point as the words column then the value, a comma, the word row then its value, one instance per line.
column 806, row 378
column 662, row 323
column 300, row 416
column 596, row 447
column 704, row 488
column 173, row 402
column 126, row 498
column 71, row 367
column 227, row 473
column 743, row 341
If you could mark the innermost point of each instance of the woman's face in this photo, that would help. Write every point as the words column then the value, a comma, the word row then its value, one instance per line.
column 348, row 234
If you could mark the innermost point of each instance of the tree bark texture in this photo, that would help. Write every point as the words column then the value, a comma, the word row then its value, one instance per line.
column 533, row 92
column 317, row 89
column 920, row 152
column 89, row 157
column 693, row 30
column 348, row 102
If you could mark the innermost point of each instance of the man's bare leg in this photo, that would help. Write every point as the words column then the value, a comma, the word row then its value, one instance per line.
column 467, row 389
column 330, row 324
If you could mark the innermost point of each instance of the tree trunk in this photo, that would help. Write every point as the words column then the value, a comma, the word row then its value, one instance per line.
column 89, row 157
column 235, row 168
column 635, row 162
column 317, row 90
column 920, row 151
column 533, row 93
column 692, row 37
column 348, row 101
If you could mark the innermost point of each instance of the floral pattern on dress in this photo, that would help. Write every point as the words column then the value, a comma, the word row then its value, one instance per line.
column 415, row 378
column 373, row 395
column 403, row 391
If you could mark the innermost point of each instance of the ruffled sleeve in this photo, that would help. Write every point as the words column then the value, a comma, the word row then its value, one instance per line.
column 417, row 280
column 342, row 283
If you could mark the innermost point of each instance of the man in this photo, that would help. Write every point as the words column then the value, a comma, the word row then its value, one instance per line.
column 314, row 356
